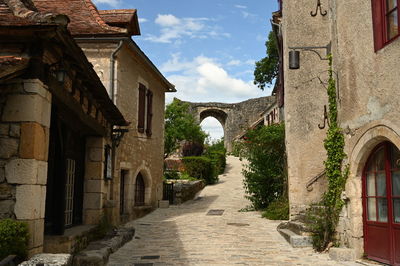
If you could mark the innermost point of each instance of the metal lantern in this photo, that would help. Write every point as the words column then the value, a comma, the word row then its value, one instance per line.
column 294, row 59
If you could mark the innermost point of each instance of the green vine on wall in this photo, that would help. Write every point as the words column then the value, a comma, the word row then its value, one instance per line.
column 325, row 216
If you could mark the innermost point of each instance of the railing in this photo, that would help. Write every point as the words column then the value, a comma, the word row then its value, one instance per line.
column 313, row 180
column 168, row 192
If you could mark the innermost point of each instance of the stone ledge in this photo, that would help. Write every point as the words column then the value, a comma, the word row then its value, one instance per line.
column 98, row 252
column 295, row 240
column 49, row 259
column 342, row 254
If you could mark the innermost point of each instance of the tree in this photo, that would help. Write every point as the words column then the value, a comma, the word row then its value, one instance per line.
column 267, row 68
column 180, row 125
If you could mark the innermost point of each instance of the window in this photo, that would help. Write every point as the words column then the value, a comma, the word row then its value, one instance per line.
column 145, row 110
column 149, row 112
column 142, row 108
column 139, row 190
column 385, row 15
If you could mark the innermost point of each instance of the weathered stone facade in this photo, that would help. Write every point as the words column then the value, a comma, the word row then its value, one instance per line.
column 235, row 118
column 367, row 87
column 24, row 123
column 137, row 152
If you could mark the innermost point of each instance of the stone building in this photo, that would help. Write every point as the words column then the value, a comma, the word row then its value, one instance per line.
column 137, row 88
column 56, row 121
column 363, row 39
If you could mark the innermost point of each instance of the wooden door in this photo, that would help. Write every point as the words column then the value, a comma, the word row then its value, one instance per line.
column 381, row 203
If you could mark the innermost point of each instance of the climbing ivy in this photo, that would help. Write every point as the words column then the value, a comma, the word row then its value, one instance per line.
column 325, row 216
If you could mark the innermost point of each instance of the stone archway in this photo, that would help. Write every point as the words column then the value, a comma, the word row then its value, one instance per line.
column 235, row 118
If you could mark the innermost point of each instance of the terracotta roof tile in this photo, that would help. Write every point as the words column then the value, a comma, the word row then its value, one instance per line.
column 24, row 13
column 84, row 16
column 124, row 18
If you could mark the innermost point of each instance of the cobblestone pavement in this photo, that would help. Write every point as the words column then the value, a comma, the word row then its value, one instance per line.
column 185, row 235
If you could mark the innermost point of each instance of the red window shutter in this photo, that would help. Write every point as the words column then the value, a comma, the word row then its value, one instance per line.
column 149, row 113
column 378, row 19
column 141, row 109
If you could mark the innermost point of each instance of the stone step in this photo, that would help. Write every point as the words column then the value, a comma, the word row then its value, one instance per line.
column 298, row 228
column 295, row 240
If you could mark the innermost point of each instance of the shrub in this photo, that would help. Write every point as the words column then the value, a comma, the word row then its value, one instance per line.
column 265, row 175
column 277, row 210
column 201, row 167
column 14, row 238
column 218, row 158
column 171, row 174
column 192, row 149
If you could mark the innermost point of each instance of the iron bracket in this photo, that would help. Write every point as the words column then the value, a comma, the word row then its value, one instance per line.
column 320, row 10
column 313, row 49
column 326, row 119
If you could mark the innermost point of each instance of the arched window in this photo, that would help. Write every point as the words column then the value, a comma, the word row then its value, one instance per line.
column 139, row 190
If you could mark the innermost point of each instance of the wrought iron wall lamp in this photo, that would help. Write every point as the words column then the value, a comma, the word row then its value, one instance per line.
column 117, row 135
column 294, row 54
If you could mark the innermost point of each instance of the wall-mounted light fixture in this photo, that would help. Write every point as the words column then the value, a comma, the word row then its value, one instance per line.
column 294, row 54
column 117, row 135
column 60, row 74
column 58, row 71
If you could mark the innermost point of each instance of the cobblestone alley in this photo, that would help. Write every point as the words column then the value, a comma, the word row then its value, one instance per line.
column 186, row 235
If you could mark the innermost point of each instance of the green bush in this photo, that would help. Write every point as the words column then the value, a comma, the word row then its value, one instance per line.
column 277, row 210
column 218, row 158
column 171, row 174
column 265, row 178
column 14, row 238
column 201, row 167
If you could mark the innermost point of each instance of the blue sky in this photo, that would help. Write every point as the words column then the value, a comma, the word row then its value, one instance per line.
column 206, row 48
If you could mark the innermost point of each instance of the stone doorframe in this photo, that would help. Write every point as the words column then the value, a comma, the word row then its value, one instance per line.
column 350, row 227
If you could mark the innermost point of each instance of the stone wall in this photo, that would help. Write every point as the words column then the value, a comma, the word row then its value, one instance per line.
column 235, row 118
column 24, row 136
column 186, row 190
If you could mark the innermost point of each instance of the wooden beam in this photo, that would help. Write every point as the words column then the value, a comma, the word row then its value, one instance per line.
column 70, row 103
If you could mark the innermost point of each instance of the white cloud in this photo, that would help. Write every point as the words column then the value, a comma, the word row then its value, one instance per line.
column 174, row 29
column 112, row 3
column 241, row 6
column 142, row 20
column 167, row 20
column 234, row 63
column 204, row 79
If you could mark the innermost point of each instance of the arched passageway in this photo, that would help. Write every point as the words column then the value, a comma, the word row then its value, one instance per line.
column 235, row 118
column 213, row 128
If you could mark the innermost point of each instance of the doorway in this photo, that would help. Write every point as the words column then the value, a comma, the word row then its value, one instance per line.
column 64, row 192
column 124, row 174
column 381, row 203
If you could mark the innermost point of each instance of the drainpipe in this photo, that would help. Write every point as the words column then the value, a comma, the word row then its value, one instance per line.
column 112, row 70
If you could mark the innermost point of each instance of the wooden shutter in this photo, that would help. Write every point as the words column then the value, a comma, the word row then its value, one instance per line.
column 378, row 23
column 149, row 112
column 142, row 108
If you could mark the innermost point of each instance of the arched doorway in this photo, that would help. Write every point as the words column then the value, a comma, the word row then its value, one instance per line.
column 140, row 190
column 381, row 203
